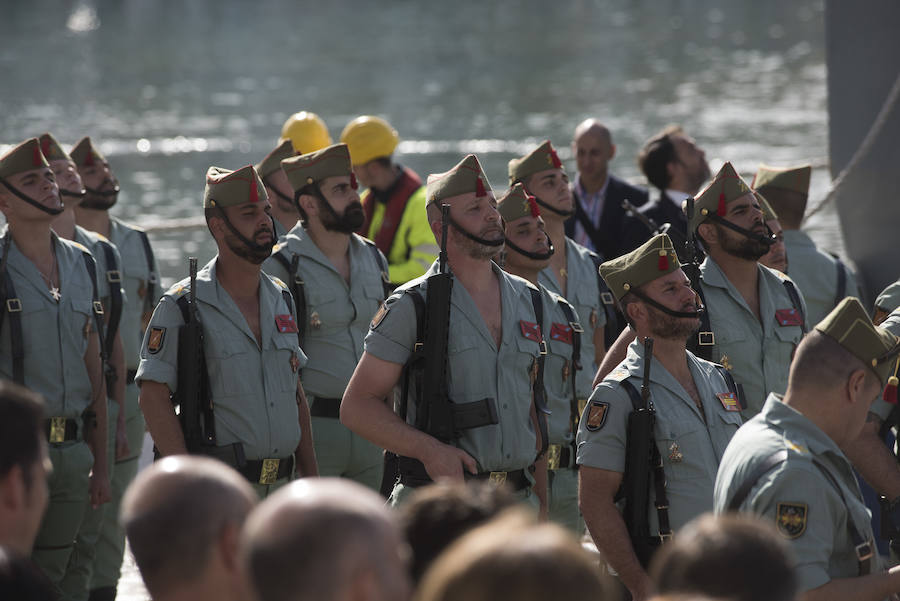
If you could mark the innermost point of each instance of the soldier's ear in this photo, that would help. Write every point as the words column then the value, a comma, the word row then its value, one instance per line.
column 858, row 387
column 634, row 310
column 708, row 232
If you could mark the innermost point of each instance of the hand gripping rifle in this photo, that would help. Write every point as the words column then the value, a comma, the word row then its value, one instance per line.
column 638, row 469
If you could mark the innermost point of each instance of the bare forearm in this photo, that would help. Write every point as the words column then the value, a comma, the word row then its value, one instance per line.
column 874, row 461
column 614, row 355
column 305, row 454
column 161, row 420
column 370, row 417
column 97, row 437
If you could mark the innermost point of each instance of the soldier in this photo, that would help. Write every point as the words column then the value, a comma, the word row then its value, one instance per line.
column 337, row 279
column 572, row 272
column 183, row 516
column 696, row 408
column 394, row 204
column 278, row 188
column 493, row 344
column 50, row 343
column 260, row 419
column 822, row 278
column 787, row 465
column 139, row 280
column 776, row 258
column 527, row 252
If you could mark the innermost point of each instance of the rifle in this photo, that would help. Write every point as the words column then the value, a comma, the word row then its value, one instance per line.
column 692, row 266
column 190, row 394
column 435, row 412
column 638, row 452
column 636, row 213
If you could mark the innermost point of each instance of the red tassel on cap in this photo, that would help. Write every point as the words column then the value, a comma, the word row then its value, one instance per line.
column 479, row 188
column 555, row 159
column 45, row 146
column 254, row 192
column 36, row 156
column 353, row 183
column 535, row 211
column 663, row 263
column 890, row 391
column 721, row 210
column 89, row 159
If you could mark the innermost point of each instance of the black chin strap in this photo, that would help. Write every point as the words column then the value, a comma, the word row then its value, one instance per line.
column 104, row 193
column 532, row 255
column 473, row 237
column 553, row 209
column 80, row 194
column 762, row 238
column 692, row 314
column 30, row 200
column 281, row 195
column 246, row 242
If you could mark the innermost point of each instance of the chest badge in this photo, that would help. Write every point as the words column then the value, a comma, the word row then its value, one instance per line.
column 788, row 317
column 726, row 363
column 561, row 332
column 565, row 371
column 295, row 362
column 530, row 330
column 285, row 323
column 594, row 318
column 729, row 401
column 314, row 320
column 675, row 455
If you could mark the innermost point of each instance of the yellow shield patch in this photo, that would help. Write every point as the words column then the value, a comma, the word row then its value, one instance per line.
column 155, row 341
column 597, row 415
column 790, row 519
column 379, row 315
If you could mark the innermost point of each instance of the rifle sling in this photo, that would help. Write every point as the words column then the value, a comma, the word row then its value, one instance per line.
column 13, row 305
column 153, row 278
column 614, row 325
column 537, row 386
column 576, row 362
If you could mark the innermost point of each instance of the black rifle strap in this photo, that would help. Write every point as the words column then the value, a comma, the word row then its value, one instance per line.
column 659, row 473
column 288, row 300
column 864, row 548
column 383, row 265
column 703, row 344
column 114, row 279
column 576, row 359
column 96, row 306
column 296, row 286
column 153, row 278
column 13, row 305
column 209, row 423
column 841, row 288
column 537, row 384
column 608, row 302
column 733, row 386
column 795, row 301
column 413, row 368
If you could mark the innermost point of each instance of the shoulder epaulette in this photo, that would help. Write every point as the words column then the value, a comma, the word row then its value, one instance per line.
column 101, row 237
column 278, row 281
column 80, row 246
column 617, row 375
column 178, row 290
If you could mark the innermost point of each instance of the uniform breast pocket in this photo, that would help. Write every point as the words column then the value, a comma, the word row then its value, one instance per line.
column 82, row 321
column 373, row 293
column 729, row 340
column 678, row 444
column 230, row 367
column 282, row 363
column 464, row 378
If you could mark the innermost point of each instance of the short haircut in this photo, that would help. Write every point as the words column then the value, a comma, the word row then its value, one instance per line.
column 790, row 205
column 626, row 300
column 738, row 557
column 296, row 550
column 656, row 154
column 821, row 363
column 21, row 429
column 22, row 580
column 511, row 558
column 174, row 517
column 438, row 514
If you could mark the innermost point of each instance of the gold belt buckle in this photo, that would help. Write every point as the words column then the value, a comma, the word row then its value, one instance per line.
column 554, row 454
column 269, row 472
column 498, row 477
column 57, row 429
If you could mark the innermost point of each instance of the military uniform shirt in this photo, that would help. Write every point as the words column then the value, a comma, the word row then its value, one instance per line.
column 757, row 354
column 796, row 496
column 558, row 368
column 135, row 282
column 55, row 334
column 691, row 441
column 92, row 241
column 476, row 368
column 584, row 296
column 338, row 314
column 815, row 274
column 253, row 390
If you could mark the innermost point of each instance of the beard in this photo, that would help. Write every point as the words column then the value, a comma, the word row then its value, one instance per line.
column 348, row 222
column 476, row 250
column 97, row 202
column 740, row 246
column 668, row 327
column 253, row 255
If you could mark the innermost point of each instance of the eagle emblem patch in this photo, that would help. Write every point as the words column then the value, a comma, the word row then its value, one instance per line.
column 790, row 519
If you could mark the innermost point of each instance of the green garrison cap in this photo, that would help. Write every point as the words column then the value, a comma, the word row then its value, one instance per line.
column 726, row 187
column 51, row 149
column 85, row 154
column 768, row 212
column 315, row 166
column 540, row 159
column 272, row 162
column 226, row 188
column 517, row 203
column 851, row 327
column 889, row 299
column 653, row 259
column 794, row 179
column 24, row 157
column 466, row 177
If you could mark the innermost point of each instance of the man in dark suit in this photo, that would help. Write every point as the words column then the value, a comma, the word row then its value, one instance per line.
column 597, row 222
column 677, row 167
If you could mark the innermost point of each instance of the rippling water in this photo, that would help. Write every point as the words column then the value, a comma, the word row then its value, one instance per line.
column 169, row 88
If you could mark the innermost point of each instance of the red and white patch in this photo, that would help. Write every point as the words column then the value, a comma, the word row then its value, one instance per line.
column 285, row 323
column 530, row 330
column 788, row 317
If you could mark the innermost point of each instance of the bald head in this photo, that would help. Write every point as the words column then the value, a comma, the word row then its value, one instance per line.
column 592, row 127
column 323, row 538
column 181, row 503
column 593, row 149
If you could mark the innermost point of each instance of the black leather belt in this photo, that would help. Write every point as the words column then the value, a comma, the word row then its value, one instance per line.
column 267, row 471
column 412, row 473
column 60, row 429
column 325, row 407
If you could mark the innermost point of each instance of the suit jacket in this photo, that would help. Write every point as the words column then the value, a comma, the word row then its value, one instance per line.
column 607, row 235
column 660, row 210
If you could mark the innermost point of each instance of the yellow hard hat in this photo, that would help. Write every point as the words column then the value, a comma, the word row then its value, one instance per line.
column 306, row 131
column 369, row 138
